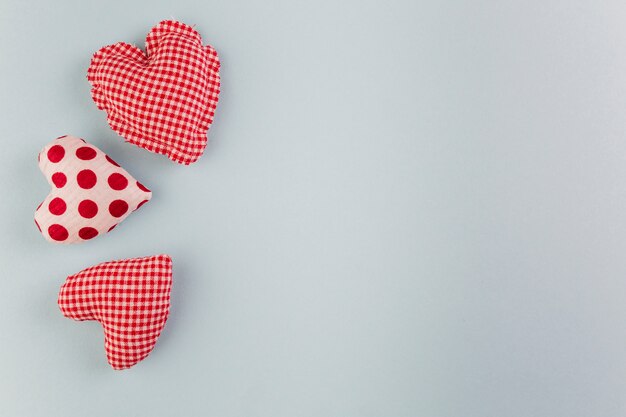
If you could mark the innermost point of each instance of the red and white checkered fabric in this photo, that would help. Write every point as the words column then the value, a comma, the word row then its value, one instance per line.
column 130, row 298
column 164, row 100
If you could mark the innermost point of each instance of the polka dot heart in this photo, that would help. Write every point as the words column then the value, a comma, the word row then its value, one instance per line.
column 90, row 193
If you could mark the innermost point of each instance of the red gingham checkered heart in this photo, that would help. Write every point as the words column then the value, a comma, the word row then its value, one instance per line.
column 130, row 298
column 164, row 100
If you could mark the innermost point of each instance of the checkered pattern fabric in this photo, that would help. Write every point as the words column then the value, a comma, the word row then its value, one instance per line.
column 163, row 100
column 130, row 298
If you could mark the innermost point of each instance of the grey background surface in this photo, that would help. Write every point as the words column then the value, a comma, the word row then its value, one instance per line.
column 407, row 208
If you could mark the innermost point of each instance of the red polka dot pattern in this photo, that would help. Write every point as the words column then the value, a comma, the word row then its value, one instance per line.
column 56, row 153
column 118, row 208
column 112, row 161
column 87, row 209
column 90, row 194
column 57, row 206
column 142, row 187
column 86, row 153
column 59, row 179
column 117, row 181
column 87, row 233
column 58, row 232
column 141, row 204
column 86, row 179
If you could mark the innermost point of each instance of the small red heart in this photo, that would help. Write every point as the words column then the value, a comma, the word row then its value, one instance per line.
column 164, row 100
column 90, row 193
column 130, row 298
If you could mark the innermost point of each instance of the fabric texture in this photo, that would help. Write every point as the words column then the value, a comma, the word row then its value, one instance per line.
column 130, row 298
column 162, row 100
column 90, row 192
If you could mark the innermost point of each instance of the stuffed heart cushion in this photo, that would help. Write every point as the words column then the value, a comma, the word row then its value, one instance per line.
column 90, row 192
column 162, row 100
column 130, row 298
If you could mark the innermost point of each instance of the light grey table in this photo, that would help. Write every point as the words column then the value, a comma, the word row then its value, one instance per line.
column 408, row 208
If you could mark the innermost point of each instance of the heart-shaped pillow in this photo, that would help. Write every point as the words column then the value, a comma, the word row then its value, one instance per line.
column 164, row 100
column 130, row 298
column 90, row 192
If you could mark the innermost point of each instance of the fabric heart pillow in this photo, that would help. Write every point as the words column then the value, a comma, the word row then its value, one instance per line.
column 130, row 298
column 90, row 192
column 162, row 100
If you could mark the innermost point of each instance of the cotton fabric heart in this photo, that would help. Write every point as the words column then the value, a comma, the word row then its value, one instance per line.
column 90, row 192
column 162, row 100
column 130, row 298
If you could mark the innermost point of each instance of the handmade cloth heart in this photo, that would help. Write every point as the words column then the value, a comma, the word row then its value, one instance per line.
column 90, row 192
column 164, row 100
column 130, row 298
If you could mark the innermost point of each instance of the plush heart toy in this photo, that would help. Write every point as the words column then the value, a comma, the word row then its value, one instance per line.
column 130, row 298
column 90, row 192
column 164, row 100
